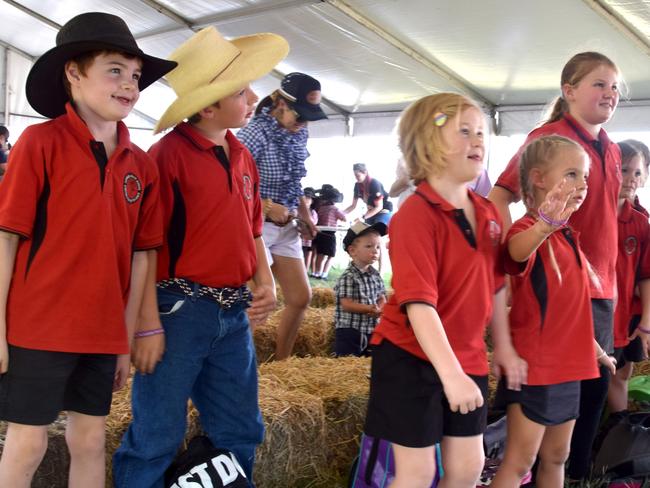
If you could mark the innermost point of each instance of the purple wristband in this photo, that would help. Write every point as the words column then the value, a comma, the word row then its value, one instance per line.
column 645, row 331
column 147, row 333
column 550, row 221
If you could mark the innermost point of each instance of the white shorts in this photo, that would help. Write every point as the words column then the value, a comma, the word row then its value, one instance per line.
column 282, row 241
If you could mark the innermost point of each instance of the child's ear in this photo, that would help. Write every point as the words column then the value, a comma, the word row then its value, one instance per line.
column 568, row 92
column 536, row 178
column 208, row 112
column 72, row 72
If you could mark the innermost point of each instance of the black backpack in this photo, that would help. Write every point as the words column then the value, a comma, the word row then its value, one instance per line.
column 625, row 450
column 203, row 465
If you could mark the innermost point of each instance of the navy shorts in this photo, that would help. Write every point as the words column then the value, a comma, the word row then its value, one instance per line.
column 407, row 404
column 325, row 243
column 349, row 341
column 40, row 384
column 602, row 310
column 543, row 404
column 633, row 352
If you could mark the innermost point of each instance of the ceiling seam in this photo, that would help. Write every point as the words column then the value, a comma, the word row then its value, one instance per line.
column 436, row 67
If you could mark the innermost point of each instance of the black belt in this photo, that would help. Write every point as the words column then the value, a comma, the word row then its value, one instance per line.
column 225, row 297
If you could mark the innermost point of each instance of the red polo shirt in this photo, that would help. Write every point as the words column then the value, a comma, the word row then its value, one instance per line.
column 437, row 259
column 632, row 265
column 550, row 319
column 80, row 217
column 596, row 217
column 211, row 209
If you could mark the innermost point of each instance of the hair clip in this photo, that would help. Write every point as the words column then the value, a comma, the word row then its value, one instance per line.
column 440, row 119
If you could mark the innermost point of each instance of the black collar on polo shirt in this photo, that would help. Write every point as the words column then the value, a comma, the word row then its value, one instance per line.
column 425, row 191
column 79, row 128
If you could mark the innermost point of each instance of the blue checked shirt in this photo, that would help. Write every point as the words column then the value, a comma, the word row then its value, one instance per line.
column 365, row 288
column 280, row 156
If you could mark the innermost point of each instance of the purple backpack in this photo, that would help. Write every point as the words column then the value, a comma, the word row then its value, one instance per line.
column 375, row 467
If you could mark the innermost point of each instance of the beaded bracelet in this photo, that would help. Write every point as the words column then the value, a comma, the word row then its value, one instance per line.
column 645, row 331
column 147, row 333
column 550, row 221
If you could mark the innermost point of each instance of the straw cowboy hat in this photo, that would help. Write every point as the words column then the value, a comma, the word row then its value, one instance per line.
column 211, row 68
column 92, row 31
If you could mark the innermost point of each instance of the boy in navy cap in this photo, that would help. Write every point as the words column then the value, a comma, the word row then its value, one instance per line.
column 79, row 214
column 360, row 292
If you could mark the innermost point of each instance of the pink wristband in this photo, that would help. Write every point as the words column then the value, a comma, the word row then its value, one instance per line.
column 645, row 331
column 147, row 333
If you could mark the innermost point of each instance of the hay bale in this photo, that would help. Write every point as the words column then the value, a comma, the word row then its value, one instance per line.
column 641, row 369
column 315, row 335
column 343, row 386
column 292, row 452
column 322, row 297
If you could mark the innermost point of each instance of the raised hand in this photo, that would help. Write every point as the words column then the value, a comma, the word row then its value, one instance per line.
column 556, row 208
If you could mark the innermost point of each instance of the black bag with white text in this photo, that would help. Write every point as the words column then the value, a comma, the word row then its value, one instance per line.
column 204, row 466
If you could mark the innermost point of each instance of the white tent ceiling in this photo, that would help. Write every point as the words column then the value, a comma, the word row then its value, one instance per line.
column 373, row 57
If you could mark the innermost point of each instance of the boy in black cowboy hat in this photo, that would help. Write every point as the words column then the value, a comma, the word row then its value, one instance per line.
column 212, row 227
column 78, row 213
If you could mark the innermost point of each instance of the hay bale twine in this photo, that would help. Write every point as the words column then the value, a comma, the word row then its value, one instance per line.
column 315, row 335
column 322, row 297
column 343, row 386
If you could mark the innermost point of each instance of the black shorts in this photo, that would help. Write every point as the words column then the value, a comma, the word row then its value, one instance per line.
column 633, row 352
column 325, row 243
column 349, row 342
column 407, row 404
column 40, row 384
column 543, row 404
column 602, row 310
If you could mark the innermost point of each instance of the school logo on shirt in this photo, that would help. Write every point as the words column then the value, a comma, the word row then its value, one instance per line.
column 247, row 187
column 495, row 232
column 630, row 245
column 132, row 188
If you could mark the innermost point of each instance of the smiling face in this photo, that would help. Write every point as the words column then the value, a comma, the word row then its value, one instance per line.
column 594, row 98
column 571, row 165
column 633, row 173
column 463, row 136
column 108, row 90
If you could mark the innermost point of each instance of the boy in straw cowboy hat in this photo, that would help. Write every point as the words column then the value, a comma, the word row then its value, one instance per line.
column 78, row 202
column 212, row 219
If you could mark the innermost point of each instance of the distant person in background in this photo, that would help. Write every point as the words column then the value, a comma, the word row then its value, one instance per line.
column 372, row 192
column 325, row 241
column 403, row 186
column 360, row 292
column 4, row 149
column 277, row 139
column 309, row 194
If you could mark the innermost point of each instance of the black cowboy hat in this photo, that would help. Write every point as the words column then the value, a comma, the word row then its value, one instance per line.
column 87, row 32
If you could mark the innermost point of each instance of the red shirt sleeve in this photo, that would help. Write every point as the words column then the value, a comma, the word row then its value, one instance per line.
column 509, row 178
column 512, row 267
column 258, row 217
column 644, row 259
column 148, row 234
column 415, row 264
column 23, row 184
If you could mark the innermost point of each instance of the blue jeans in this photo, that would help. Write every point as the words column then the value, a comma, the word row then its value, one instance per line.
column 210, row 358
